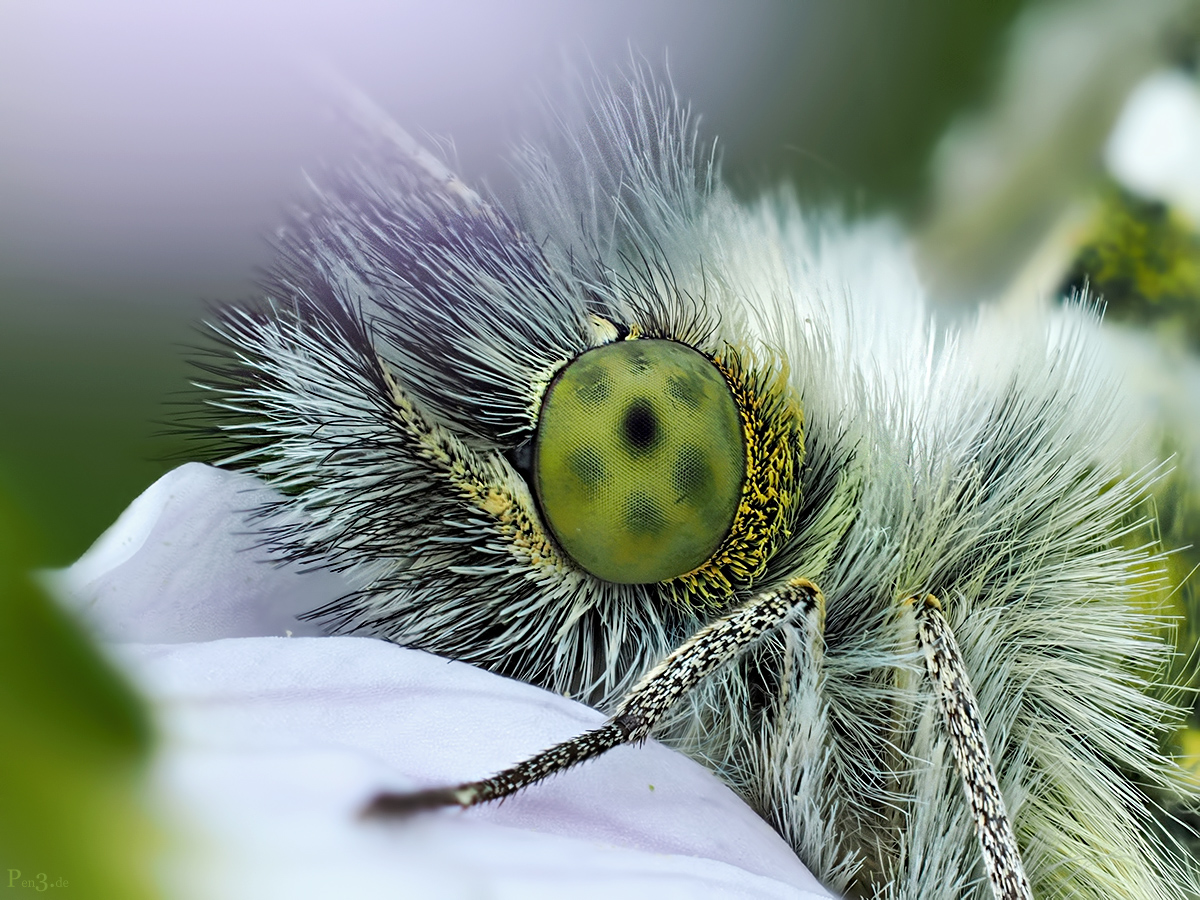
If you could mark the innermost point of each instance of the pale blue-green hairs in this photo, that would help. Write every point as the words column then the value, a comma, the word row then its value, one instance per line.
column 710, row 467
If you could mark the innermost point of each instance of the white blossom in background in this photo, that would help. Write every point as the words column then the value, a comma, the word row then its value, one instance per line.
column 1004, row 177
column 270, row 745
column 1154, row 149
column 1154, row 152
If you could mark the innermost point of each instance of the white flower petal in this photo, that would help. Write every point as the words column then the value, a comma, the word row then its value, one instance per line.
column 183, row 563
column 270, row 746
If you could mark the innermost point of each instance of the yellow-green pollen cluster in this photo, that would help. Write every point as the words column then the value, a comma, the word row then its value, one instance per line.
column 639, row 460
column 1144, row 259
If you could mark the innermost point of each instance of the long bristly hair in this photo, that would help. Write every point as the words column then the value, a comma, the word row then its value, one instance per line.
column 389, row 382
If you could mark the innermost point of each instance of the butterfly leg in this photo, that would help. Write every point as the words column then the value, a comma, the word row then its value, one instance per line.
column 717, row 643
column 968, row 742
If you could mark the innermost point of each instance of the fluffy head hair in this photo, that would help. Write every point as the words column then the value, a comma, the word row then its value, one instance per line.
column 390, row 384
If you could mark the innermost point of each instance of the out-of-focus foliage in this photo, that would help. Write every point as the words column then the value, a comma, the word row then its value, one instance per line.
column 74, row 741
column 1003, row 176
column 88, row 382
column 1143, row 258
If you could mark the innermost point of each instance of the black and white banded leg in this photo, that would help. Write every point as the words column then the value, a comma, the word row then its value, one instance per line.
column 968, row 742
column 716, row 644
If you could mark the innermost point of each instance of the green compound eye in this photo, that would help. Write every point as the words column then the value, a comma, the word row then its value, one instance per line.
column 639, row 460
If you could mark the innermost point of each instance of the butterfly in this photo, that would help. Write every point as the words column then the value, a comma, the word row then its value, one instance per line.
column 709, row 466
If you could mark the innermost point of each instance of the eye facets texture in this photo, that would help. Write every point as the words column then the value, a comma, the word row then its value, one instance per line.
column 639, row 460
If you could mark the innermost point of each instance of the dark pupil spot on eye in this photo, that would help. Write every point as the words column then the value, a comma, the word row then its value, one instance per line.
column 643, row 515
column 594, row 386
column 683, row 392
column 586, row 465
column 691, row 475
column 638, row 362
column 640, row 426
